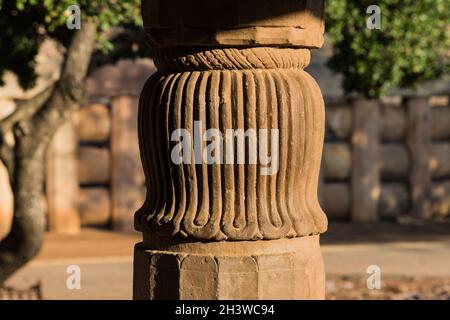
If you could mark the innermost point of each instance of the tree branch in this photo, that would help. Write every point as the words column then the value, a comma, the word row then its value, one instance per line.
column 69, row 89
column 32, row 137
column 25, row 110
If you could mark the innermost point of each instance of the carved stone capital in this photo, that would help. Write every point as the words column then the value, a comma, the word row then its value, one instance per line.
column 231, row 130
column 261, row 89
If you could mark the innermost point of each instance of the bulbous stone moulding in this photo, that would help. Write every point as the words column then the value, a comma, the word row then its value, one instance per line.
column 252, row 88
column 231, row 229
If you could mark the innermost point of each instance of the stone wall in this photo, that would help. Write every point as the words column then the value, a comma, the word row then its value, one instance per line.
column 93, row 173
column 396, row 159
column 109, row 178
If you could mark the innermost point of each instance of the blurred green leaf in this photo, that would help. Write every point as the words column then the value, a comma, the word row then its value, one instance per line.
column 412, row 46
column 25, row 24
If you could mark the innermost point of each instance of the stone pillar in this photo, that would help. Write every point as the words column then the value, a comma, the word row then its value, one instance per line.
column 231, row 228
column 127, row 181
column 419, row 145
column 366, row 182
column 62, row 185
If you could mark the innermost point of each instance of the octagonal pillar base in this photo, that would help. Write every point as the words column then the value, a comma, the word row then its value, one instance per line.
column 290, row 269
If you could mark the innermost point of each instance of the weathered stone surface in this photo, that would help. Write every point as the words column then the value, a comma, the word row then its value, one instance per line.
column 280, row 269
column 94, row 123
column 337, row 161
column 419, row 141
column 94, row 165
column 394, row 200
column 394, row 123
column 94, row 205
column 441, row 199
column 440, row 119
column 216, row 202
column 439, row 160
column 126, row 78
column 339, row 122
column 231, row 65
column 62, row 181
column 234, row 22
column 337, row 200
column 394, row 162
column 127, row 178
column 366, row 160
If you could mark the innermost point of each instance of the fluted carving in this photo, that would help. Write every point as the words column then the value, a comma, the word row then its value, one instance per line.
column 248, row 88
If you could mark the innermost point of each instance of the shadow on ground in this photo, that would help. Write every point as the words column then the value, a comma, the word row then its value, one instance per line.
column 357, row 233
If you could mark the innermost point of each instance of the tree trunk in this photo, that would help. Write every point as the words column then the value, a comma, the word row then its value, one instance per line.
column 34, row 123
column 28, row 227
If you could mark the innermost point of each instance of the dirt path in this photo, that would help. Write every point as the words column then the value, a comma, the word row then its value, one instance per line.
column 414, row 263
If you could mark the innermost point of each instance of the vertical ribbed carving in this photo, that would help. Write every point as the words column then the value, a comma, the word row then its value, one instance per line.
column 261, row 88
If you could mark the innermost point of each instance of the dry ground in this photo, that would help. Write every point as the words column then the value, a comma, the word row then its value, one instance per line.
column 393, row 288
column 414, row 263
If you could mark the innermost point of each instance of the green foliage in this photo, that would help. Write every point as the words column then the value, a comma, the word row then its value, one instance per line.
column 412, row 46
column 25, row 24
